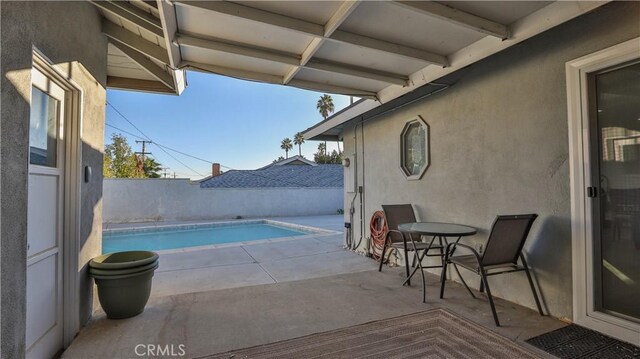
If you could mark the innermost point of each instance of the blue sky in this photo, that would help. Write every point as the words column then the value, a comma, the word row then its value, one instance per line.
column 234, row 122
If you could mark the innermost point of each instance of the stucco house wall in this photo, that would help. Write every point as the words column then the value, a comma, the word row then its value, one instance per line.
column 499, row 145
column 69, row 34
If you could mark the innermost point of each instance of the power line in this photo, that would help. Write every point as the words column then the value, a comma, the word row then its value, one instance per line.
column 161, row 147
column 149, row 138
column 164, row 146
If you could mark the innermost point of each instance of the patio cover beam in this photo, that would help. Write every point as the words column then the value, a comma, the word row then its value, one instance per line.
column 233, row 72
column 457, row 17
column 389, row 47
column 148, row 4
column 134, row 41
column 316, row 30
column 330, row 27
column 290, row 59
column 238, row 49
column 315, row 86
column 124, row 83
column 148, row 65
column 132, row 14
column 275, row 79
column 357, row 71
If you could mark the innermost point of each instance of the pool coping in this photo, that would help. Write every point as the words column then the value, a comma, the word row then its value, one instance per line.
column 315, row 232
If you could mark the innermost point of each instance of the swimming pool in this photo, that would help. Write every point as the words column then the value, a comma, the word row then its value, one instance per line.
column 184, row 236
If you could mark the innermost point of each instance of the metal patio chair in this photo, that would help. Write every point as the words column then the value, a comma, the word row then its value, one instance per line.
column 502, row 250
column 395, row 215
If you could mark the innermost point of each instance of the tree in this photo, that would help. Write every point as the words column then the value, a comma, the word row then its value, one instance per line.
column 323, row 158
column 107, row 166
column 286, row 145
column 322, row 148
column 121, row 162
column 325, row 107
column 151, row 168
column 298, row 140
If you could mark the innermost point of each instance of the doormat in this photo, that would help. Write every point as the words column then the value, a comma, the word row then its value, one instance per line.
column 574, row 341
column 431, row 334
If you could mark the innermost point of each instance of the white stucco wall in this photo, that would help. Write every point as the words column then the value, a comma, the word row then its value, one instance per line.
column 139, row 200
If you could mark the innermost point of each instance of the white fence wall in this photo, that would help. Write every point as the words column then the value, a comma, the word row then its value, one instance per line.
column 139, row 200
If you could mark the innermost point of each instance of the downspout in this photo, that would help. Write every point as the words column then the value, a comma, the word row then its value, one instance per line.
column 361, row 190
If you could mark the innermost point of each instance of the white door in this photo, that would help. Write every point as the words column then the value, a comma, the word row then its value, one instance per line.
column 44, row 336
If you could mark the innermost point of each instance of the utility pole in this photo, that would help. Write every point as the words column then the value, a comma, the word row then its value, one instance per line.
column 144, row 148
column 164, row 169
column 142, row 154
column 174, row 175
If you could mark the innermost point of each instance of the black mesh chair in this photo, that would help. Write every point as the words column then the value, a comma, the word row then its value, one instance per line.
column 395, row 215
column 502, row 250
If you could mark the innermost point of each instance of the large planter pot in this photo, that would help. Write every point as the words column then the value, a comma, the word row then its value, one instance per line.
column 124, row 281
column 123, row 260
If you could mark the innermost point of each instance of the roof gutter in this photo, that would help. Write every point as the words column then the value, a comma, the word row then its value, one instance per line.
column 320, row 131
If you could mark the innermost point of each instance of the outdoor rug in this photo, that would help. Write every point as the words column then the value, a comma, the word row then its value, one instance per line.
column 574, row 341
column 432, row 334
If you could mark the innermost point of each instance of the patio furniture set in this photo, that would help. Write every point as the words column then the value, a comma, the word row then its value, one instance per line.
column 502, row 249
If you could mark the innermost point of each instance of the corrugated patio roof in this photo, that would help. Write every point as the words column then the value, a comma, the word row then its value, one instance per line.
column 378, row 50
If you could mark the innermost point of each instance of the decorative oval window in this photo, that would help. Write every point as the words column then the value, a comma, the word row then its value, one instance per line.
column 414, row 151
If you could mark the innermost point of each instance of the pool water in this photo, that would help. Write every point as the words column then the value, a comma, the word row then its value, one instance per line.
column 192, row 236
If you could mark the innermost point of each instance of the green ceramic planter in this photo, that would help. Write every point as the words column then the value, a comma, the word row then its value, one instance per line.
column 123, row 260
column 124, row 281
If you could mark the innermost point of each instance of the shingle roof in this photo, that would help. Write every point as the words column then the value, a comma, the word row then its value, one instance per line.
column 324, row 175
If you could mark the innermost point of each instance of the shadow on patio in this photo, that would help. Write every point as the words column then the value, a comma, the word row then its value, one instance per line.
column 219, row 320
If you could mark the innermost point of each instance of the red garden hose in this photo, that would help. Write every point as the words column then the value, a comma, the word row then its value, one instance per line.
column 379, row 229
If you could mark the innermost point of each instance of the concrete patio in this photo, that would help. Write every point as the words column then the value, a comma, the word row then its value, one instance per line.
column 233, row 297
column 265, row 262
column 219, row 320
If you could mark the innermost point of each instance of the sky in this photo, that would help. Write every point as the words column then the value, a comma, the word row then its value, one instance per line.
column 236, row 123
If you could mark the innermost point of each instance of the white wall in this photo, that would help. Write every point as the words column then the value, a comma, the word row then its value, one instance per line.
column 499, row 145
column 138, row 200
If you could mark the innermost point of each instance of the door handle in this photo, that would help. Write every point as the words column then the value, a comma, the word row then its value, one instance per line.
column 592, row 192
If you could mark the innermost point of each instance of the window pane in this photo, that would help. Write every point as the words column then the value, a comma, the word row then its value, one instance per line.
column 617, row 248
column 43, row 126
column 415, row 151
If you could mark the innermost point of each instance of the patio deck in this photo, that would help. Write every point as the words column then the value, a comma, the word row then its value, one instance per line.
column 211, row 321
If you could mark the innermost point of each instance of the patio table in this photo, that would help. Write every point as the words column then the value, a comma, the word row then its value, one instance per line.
column 442, row 231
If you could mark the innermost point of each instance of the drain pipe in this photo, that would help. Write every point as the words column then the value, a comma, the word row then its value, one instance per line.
column 361, row 190
column 350, row 242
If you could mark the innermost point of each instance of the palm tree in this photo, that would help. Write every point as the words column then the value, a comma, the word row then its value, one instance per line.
column 286, row 145
column 325, row 107
column 298, row 140
column 322, row 148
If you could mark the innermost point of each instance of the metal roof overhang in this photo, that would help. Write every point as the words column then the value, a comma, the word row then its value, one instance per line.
column 375, row 50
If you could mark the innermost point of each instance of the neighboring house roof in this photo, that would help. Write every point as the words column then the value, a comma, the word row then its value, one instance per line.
column 279, row 176
column 294, row 160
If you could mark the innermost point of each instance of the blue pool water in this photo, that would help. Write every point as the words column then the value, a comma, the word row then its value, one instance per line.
column 192, row 237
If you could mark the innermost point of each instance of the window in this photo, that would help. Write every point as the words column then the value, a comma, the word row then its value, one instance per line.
column 43, row 124
column 414, row 148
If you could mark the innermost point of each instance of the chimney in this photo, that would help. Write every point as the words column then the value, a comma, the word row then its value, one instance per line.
column 215, row 169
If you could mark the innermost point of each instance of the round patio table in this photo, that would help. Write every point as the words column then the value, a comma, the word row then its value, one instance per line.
column 436, row 229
